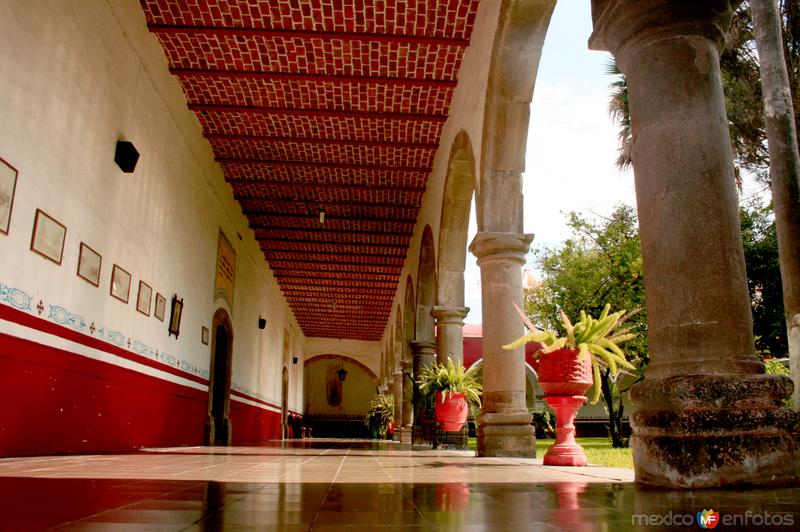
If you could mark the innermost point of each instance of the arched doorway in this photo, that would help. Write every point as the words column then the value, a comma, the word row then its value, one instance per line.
column 285, row 403
column 218, row 425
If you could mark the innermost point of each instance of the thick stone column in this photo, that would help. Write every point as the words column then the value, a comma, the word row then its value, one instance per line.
column 450, row 333
column 706, row 415
column 407, row 409
column 424, row 356
column 504, row 427
column 397, row 393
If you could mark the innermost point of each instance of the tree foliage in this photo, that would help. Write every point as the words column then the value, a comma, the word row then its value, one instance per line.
column 764, row 278
column 600, row 264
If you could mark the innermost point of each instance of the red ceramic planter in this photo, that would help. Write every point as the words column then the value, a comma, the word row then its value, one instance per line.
column 452, row 412
column 565, row 377
column 563, row 372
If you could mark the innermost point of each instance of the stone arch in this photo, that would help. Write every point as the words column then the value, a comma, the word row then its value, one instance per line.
column 456, row 205
column 409, row 321
column 397, row 349
column 350, row 360
column 517, row 48
column 426, row 288
column 406, row 357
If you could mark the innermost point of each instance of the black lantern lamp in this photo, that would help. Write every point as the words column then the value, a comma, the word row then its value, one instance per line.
column 342, row 373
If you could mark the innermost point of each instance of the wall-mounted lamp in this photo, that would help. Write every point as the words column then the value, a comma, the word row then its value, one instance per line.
column 262, row 323
column 294, row 360
column 322, row 217
column 126, row 156
column 342, row 373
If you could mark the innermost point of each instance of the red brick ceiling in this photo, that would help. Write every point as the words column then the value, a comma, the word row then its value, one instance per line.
column 322, row 105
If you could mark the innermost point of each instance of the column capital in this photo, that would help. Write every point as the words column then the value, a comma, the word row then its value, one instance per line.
column 620, row 25
column 490, row 246
column 449, row 315
column 405, row 365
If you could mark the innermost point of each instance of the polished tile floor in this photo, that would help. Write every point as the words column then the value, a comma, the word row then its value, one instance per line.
column 354, row 485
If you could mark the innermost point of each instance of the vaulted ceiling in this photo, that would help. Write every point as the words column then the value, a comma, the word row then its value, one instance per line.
column 322, row 106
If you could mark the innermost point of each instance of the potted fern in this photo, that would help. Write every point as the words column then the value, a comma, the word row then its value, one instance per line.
column 454, row 389
column 570, row 365
column 380, row 417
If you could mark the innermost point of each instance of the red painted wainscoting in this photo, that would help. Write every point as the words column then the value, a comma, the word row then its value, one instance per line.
column 54, row 401
column 251, row 424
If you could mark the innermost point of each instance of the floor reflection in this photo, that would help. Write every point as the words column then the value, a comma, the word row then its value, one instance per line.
column 164, row 490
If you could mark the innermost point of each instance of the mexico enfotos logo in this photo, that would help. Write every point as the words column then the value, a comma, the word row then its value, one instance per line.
column 708, row 519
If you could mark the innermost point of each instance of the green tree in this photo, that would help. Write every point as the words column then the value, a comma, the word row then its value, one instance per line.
column 763, row 278
column 600, row 263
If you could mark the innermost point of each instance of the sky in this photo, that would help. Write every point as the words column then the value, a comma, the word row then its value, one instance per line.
column 572, row 141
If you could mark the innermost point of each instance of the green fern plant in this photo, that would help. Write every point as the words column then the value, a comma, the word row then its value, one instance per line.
column 598, row 338
column 380, row 414
column 451, row 378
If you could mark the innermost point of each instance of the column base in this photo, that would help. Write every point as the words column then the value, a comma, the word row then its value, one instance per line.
column 514, row 438
column 406, row 435
column 702, row 431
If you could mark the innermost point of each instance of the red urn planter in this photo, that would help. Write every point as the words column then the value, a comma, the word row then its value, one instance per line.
column 565, row 377
column 563, row 372
column 452, row 412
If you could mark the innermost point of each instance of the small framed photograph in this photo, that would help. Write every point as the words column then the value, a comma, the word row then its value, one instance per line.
column 161, row 305
column 48, row 237
column 8, row 185
column 89, row 264
column 144, row 298
column 120, row 284
column 204, row 336
column 175, row 316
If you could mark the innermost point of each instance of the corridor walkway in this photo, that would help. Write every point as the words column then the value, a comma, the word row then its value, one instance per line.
column 339, row 485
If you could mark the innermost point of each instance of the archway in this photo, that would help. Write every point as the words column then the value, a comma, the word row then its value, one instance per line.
column 456, row 206
column 218, row 425
column 406, row 360
column 338, row 390
column 426, row 288
column 285, row 403
column 285, row 387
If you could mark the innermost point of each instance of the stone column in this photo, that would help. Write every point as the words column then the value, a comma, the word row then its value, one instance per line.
column 424, row 356
column 706, row 415
column 504, row 424
column 450, row 333
column 407, row 410
column 397, row 393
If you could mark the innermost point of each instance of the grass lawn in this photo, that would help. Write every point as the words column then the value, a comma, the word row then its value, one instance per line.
column 598, row 450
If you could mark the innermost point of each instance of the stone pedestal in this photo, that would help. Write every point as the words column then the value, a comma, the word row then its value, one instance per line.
column 504, row 424
column 565, row 451
column 705, row 415
column 450, row 333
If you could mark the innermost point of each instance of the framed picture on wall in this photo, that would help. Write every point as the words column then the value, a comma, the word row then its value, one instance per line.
column 161, row 305
column 8, row 185
column 120, row 284
column 204, row 336
column 48, row 237
column 175, row 316
column 144, row 298
column 89, row 264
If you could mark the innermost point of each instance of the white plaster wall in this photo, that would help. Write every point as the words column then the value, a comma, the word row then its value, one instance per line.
column 368, row 353
column 76, row 77
column 357, row 389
